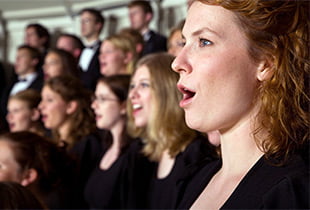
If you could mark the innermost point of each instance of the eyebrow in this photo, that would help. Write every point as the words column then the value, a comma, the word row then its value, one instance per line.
column 205, row 29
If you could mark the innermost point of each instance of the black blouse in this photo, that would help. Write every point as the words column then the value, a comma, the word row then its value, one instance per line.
column 265, row 186
column 148, row 192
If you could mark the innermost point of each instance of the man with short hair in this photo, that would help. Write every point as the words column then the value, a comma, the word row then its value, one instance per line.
column 92, row 23
column 37, row 36
column 71, row 44
column 140, row 15
column 28, row 71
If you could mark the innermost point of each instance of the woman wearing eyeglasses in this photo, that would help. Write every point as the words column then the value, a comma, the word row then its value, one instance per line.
column 109, row 105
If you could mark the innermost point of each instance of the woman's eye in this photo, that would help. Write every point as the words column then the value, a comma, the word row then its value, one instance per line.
column 144, row 85
column 131, row 86
column 204, row 42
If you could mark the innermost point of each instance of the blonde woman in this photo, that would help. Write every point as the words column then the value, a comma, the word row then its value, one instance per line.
column 174, row 150
column 117, row 55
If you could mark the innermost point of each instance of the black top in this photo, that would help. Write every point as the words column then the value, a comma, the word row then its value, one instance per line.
column 87, row 154
column 146, row 191
column 101, row 190
column 156, row 43
column 264, row 186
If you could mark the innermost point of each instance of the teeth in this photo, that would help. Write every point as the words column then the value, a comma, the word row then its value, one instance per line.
column 136, row 106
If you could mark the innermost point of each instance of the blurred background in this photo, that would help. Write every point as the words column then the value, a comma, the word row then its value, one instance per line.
column 62, row 16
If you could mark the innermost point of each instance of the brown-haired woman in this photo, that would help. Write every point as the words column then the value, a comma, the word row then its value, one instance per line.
column 23, row 112
column 60, row 62
column 109, row 105
column 66, row 110
column 38, row 164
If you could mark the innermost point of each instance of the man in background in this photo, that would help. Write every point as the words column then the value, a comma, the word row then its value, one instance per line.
column 140, row 15
column 92, row 23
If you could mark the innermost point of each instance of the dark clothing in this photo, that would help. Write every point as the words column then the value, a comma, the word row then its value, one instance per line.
column 92, row 74
column 102, row 188
column 155, row 43
column 147, row 191
column 37, row 84
column 87, row 153
column 264, row 187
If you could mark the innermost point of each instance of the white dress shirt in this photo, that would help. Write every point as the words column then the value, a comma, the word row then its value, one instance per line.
column 23, row 83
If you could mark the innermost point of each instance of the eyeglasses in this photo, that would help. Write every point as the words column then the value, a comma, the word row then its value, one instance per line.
column 102, row 99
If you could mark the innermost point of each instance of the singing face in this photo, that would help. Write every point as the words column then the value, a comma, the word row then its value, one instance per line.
column 19, row 115
column 52, row 66
column 140, row 96
column 218, row 78
column 112, row 60
column 108, row 110
column 53, row 109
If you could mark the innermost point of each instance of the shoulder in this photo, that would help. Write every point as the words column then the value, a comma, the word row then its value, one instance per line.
column 291, row 188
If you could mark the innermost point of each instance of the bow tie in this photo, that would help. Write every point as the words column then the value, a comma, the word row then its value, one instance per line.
column 22, row 80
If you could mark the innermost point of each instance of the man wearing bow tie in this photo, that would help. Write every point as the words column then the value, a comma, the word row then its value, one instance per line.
column 28, row 74
column 92, row 23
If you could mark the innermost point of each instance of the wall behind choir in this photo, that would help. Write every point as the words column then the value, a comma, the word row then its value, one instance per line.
column 167, row 13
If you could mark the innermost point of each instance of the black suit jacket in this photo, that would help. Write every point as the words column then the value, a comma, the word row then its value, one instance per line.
column 156, row 43
column 90, row 77
column 37, row 84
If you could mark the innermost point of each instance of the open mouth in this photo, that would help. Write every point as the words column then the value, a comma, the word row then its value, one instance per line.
column 187, row 95
column 136, row 107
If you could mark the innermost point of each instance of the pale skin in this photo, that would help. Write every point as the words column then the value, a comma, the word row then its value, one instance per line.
column 216, row 67
column 109, row 115
column 141, row 98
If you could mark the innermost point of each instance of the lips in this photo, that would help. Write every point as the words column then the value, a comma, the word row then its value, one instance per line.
column 136, row 108
column 188, row 95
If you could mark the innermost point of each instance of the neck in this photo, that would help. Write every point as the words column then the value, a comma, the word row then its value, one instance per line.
column 116, row 132
column 239, row 149
column 63, row 131
column 92, row 39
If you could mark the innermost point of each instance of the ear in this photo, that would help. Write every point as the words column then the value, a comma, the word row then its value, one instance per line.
column 128, row 57
column 77, row 52
column 71, row 107
column 29, row 176
column 35, row 115
column 265, row 70
column 148, row 17
column 35, row 61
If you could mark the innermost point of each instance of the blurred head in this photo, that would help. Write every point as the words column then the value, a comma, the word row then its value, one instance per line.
column 59, row 62
column 65, row 108
column 27, row 60
column 153, row 105
column 31, row 160
column 110, row 99
column 92, row 23
column 175, row 40
column 70, row 43
column 140, row 14
column 135, row 36
column 117, row 55
column 23, row 113
column 37, row 36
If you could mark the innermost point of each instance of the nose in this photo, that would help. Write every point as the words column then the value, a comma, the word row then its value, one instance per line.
column 94, row 105
column 181, row 63
column 8, row 116
column 133, row 93
column 41, row 106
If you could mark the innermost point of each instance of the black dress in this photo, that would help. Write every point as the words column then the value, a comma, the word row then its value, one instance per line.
column 265, row 186
column 102, row 188
column 147, row 192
